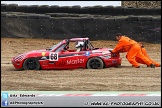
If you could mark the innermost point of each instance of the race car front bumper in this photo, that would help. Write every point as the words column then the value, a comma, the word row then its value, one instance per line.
column 16, row 64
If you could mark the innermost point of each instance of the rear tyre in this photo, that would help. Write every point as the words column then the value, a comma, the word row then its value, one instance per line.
column 31, row 64
column 95, row 63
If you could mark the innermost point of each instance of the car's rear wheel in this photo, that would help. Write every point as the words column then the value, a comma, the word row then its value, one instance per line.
column 95, row 63
column 31, row 64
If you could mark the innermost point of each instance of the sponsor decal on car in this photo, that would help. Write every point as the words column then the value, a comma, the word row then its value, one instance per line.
column 87, row 53
column 77, row 61
column 43, row 53
column 53, row 56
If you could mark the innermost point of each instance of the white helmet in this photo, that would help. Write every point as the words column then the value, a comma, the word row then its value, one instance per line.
column 79, row 44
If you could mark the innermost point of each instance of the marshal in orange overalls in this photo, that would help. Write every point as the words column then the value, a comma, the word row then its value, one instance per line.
column 143, row 50
column 133, row 49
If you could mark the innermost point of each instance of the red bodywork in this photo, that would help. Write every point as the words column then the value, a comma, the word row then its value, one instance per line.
column 69, row 59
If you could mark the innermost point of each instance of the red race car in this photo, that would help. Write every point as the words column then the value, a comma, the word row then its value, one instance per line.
column 68, row 54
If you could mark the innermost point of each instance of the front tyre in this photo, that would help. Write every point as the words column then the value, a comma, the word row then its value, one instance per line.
column 95, row 63
column 31, row 64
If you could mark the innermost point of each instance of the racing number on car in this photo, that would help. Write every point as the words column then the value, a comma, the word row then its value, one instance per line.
column 53, row 56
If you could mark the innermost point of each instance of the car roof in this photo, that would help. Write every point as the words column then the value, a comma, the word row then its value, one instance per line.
column 78, row 39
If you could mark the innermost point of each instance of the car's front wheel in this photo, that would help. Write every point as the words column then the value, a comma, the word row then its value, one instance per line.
column 95, row 63
column 31, row 64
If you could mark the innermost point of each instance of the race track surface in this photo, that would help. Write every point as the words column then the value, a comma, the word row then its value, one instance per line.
column 125, row 78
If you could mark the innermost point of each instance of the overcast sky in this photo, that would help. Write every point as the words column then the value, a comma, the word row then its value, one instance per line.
column 65, row 3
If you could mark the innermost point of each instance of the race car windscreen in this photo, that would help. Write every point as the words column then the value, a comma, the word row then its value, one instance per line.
column 54, row 46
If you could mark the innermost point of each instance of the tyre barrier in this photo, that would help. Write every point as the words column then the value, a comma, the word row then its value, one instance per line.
column 22, row 8
column 132, row 18
column 32, row 8
column 11, row 16
column 11, row 6
column 54, row 18
column 140, row 11
column 62, row 14
column 53, row 9
column 86, row 18
column 159, row 11
column 3, row 14
column 96, row 9
column 144, row 18
column 42, row 9
column 156, row 19
column 82, row 16
column 152, row 11
column 32, row 16
column 3, row 7
column 129, row 10
column 44, row 16
column 118, row 10
column 107, row 10
column 73, row 15
column 85, row 15
column 74, row 9
column 84, row 26
column 51, row 14
column 70, row 18
column 121, row 19
column 63, row 9
column 22, row 16
column 98, row 18
column 85, row 10
column 110, row 19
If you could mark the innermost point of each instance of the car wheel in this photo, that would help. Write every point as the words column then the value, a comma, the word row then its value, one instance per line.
column 95, row 63
column 31, row 64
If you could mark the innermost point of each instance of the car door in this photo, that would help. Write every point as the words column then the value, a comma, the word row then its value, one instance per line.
column 77, row 60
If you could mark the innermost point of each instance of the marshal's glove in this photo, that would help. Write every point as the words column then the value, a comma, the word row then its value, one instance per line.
column 111, row 51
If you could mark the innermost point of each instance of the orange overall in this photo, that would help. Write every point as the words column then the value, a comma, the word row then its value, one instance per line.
column 145, row 54
column 133, row 50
